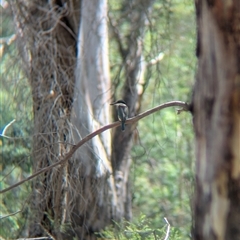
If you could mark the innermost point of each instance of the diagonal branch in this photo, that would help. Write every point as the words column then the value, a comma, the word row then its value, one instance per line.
column 118, row 38
column 184, row 105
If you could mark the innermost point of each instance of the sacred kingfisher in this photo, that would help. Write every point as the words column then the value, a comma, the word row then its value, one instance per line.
column 122, row 111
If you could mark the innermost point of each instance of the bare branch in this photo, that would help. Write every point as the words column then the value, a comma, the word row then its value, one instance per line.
column 8, row 40
column 184, row 105
column 118, row 37
column 6, row 128
column 11, row 214
column 38, row 238
column 168, row 229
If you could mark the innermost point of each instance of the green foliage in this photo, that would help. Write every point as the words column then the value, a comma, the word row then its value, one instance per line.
column 15, row 98
column 13, row 207
column 163, row 170
column 140, row 230
column 15, row 161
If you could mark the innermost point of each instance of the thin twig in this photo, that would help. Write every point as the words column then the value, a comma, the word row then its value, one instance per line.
column 6, row 127
column 168, row 229
column 38, row 238
column 65, row 158
column 154, row 234
column 118, row 37
column 11, row 214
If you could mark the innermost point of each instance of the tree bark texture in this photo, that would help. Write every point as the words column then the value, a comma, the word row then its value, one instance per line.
column 47, row 37
column 92, row 184
column 216, row 111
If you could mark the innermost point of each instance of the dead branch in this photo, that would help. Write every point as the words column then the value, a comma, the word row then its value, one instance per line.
column 64, row 159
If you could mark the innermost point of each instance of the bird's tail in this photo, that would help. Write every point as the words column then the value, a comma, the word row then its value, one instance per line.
column 123, row 126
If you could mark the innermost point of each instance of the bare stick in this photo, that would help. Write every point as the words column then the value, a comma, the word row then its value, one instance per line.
column 185, row 107
column 6, row 127
column 168, row 229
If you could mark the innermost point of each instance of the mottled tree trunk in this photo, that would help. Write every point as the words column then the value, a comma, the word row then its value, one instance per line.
column 134, row 69
column 216, row 109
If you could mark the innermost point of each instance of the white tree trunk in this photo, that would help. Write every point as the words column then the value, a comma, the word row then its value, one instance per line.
column 91, row 170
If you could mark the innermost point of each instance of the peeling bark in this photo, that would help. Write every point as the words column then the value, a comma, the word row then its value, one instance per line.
column 216, row 110
column 93, row 191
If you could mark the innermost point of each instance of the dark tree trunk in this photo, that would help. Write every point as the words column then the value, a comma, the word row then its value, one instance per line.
column 216, row 109
column 47, row 37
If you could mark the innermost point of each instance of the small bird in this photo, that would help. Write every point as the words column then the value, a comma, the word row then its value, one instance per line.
column 122, row 111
